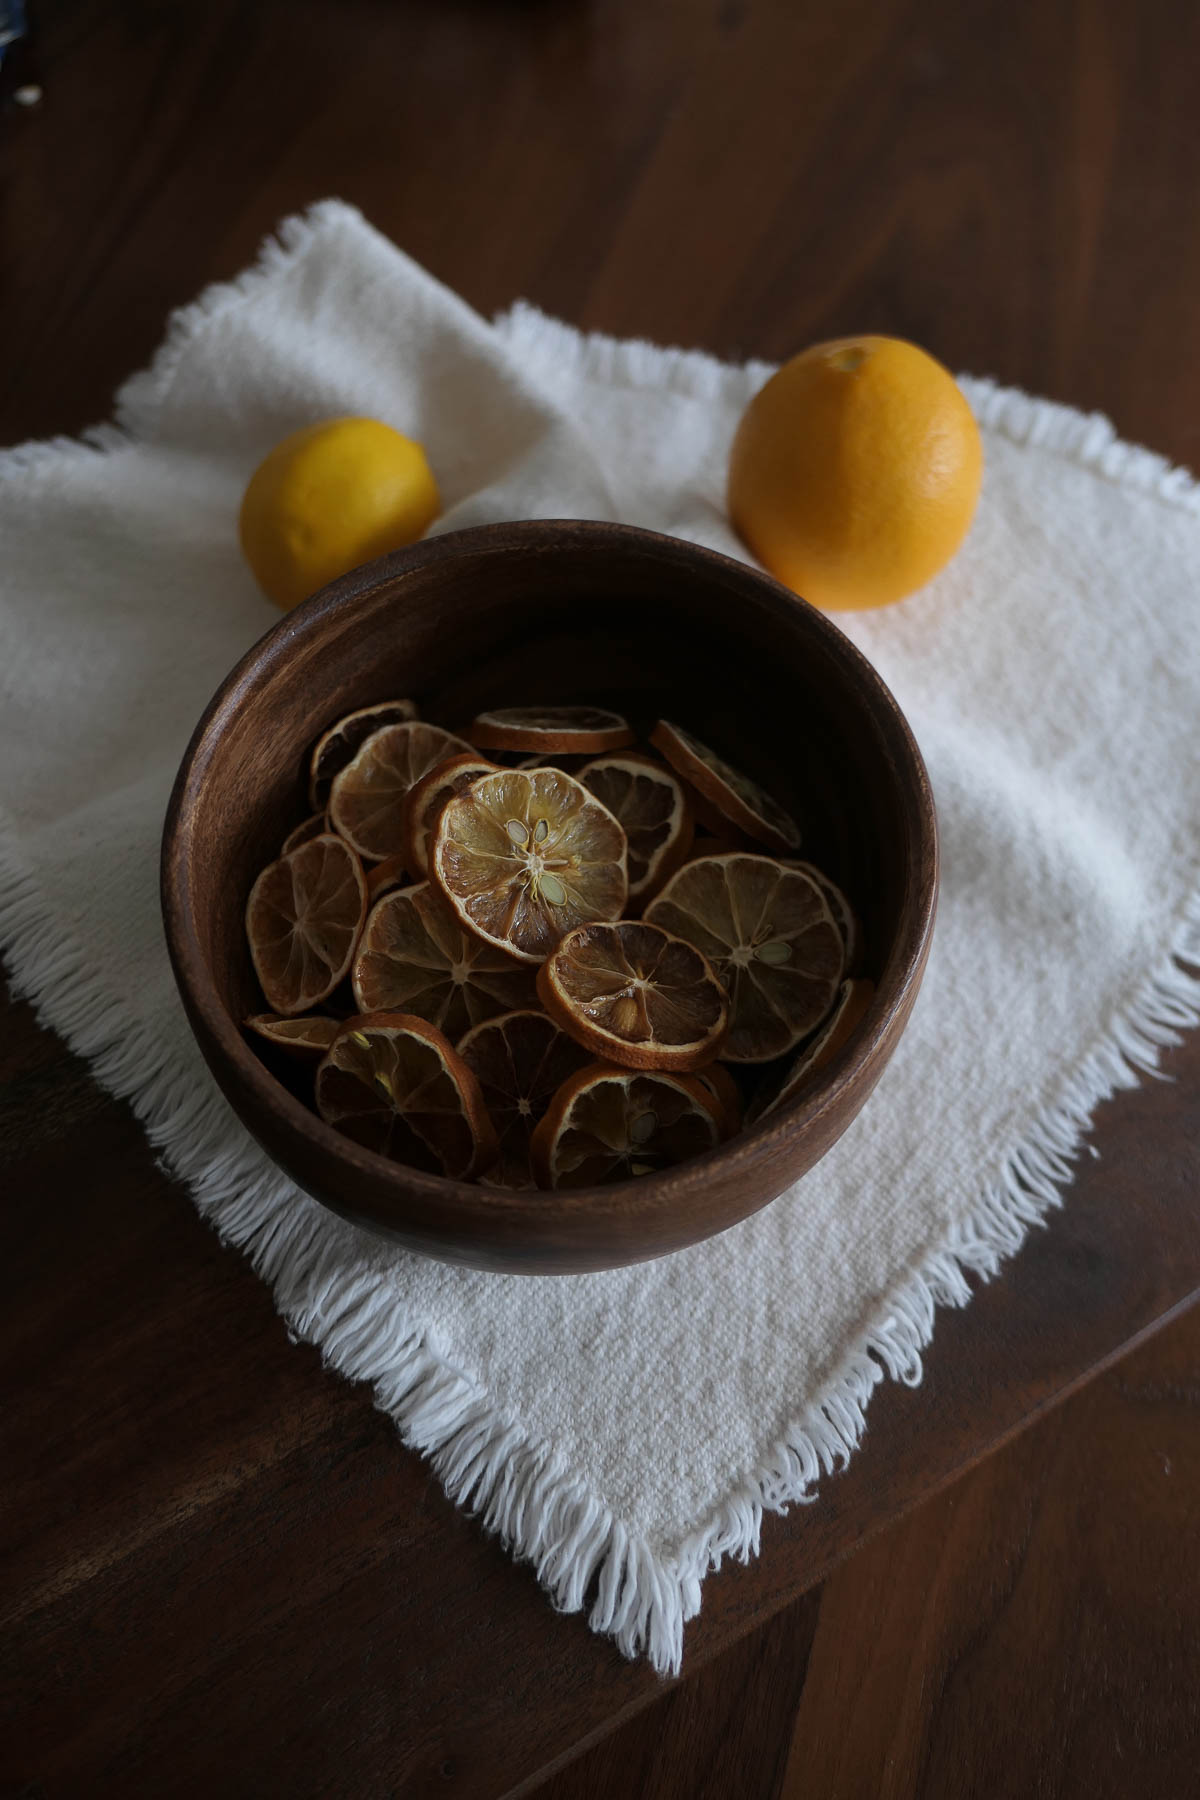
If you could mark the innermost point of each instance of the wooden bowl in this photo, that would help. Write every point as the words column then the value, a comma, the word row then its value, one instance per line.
column 551, row 610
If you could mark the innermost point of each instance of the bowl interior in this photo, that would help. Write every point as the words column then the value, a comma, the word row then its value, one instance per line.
column 562, row 612
column 646, row 636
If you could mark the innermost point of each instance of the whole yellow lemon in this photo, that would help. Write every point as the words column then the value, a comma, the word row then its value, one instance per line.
column 330, row 497
column 855, row 471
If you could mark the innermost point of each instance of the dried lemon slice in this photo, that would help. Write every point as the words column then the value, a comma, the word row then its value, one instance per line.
column 308, row 1038
column 303, row 920
column 853, row 999
column 633, row 994
column 654, row 815
column 415, row 957
column 394, row 1085
column 725, row 1091
column 523, row 856
column 520, row 1059
column 307, row 829
column 607, row 1124
column 383, row 876
column 336, row 746
column 426, row 800
column 571, row 728
column 738, row 800
column 844, row 915
column 771, row 939
column 367, row 799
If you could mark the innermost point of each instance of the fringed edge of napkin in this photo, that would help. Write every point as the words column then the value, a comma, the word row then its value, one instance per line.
column 484, row 1458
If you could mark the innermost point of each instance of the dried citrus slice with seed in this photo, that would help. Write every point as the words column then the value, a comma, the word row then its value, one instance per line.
column 414, row 956
column 844, row 915
column 573, row 728
column 739, row 801
column 426, row 800
column 654, row 815
column 394, row 1085
column 367, row 799
column 525, row 855
column 520, row 1059
column 853, row 999
column 771, row 939
column 607, row 1124
column 633, row 994
column 725, row 1091
column 307, row 1038
column 300, row 834
column 336, row 746
column 303, row 920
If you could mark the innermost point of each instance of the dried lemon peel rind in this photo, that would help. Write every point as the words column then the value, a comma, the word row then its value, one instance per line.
column 426, row 799
column 308, row 1036
column 854, row 997
column 739, row 801
column 574, row 730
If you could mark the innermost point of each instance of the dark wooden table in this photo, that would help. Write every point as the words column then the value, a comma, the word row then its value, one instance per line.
column 222, row 1572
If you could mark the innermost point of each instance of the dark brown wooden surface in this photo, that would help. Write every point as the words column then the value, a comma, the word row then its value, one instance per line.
column 222, row 1573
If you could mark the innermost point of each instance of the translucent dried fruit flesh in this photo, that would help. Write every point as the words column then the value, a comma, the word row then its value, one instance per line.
column 520, row 1059
column 632, row 993
column 739, row 801
column 367, row 802
column 426, row 800
column 649, row 802
column 336, row 746
column 524, row 856
column 854, row 997
column 572, row 728
column 415, row 957
column 308, row 1037
column 609, row 1124
column 303, row 920
column 771, row 939
column 396, row 1086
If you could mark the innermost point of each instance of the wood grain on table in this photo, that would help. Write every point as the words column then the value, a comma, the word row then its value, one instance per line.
column 222, row 1572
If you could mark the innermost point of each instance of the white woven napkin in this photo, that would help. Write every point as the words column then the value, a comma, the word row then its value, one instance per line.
column 624, row 1431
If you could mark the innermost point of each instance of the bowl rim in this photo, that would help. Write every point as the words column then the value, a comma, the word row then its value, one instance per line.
column 440, row 1201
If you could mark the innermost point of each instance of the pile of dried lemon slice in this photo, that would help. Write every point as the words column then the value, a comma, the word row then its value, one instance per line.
column 535, row 955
